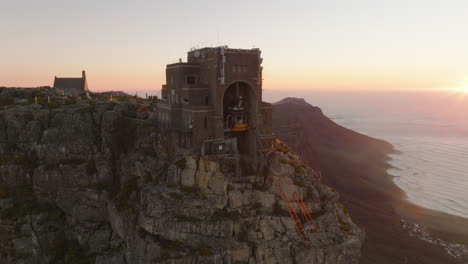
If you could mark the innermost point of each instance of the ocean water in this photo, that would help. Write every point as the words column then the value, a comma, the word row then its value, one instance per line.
column 429, row 129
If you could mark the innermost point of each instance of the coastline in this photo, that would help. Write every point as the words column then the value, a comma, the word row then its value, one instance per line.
column 446, row 225
column 356, row 165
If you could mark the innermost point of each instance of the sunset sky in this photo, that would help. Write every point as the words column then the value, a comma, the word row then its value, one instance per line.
column 316, row 45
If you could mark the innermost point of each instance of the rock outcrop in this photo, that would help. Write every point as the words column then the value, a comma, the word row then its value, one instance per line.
column 100, row 182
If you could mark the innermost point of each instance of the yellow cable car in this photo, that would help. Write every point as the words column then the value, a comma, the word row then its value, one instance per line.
column 239, row 127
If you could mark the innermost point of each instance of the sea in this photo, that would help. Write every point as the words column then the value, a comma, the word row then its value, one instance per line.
column 429, row 130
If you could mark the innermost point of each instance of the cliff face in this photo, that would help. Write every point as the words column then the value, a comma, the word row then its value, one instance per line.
column 90, row 182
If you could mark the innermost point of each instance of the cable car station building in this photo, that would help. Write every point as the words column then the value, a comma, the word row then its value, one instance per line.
column 213, row 102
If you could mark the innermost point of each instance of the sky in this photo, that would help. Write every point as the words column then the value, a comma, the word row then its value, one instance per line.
column 306, row 45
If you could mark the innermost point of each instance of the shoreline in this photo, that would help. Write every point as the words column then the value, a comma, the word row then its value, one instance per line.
column 438, row 226
column 389, row 211
column 406, row 193
column 448, row 227
column 442, row 224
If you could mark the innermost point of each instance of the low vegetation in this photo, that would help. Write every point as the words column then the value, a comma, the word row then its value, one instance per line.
column 122, row 198
column 205, row 251
column 181, row 163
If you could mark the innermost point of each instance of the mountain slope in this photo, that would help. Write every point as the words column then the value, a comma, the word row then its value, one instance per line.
column 355, row 165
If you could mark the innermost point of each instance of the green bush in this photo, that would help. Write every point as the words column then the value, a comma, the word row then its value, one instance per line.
column 91, row 167
column 172, row 245
column 25, row 203
column 205, row 251
column 74, row 162
column 224, row 214
column 122, row 198
column 181, row 163
column 122, row 98
column 3, row 190
column 147, row 178
column 28, row 161
column 4, row 101
column 71, row 100
column 189, row 190
column 184, row 218
column 175, row 196
column 300, row 183
column 278, row 210
column 282, row 148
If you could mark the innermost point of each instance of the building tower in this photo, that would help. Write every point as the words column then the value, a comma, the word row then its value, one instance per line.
column 213, row 103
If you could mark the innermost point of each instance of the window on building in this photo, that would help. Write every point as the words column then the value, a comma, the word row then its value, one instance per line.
column 190, row 79
column 185, row 100
column 206, row 122
column 190, row 123
column 207, row 100
column 234, row 68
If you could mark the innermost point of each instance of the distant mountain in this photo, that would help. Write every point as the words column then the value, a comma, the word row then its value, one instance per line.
column 115, row 93
column 293, row 100
column 307, row 130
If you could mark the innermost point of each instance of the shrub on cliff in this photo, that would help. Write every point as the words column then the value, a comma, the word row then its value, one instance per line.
column 4, row 101
column 122, row 198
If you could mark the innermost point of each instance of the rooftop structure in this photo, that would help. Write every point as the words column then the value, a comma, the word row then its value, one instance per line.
column 213, row 102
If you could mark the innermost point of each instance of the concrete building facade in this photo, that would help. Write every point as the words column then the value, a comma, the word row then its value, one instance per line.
column 213, row 102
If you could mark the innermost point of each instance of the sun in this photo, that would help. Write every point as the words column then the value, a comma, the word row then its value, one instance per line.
column 461, row 90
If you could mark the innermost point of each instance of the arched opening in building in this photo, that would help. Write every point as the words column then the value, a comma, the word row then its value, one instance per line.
column 239, row 106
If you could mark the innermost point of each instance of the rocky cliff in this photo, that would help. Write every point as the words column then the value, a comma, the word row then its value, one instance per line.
column 85, row 181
